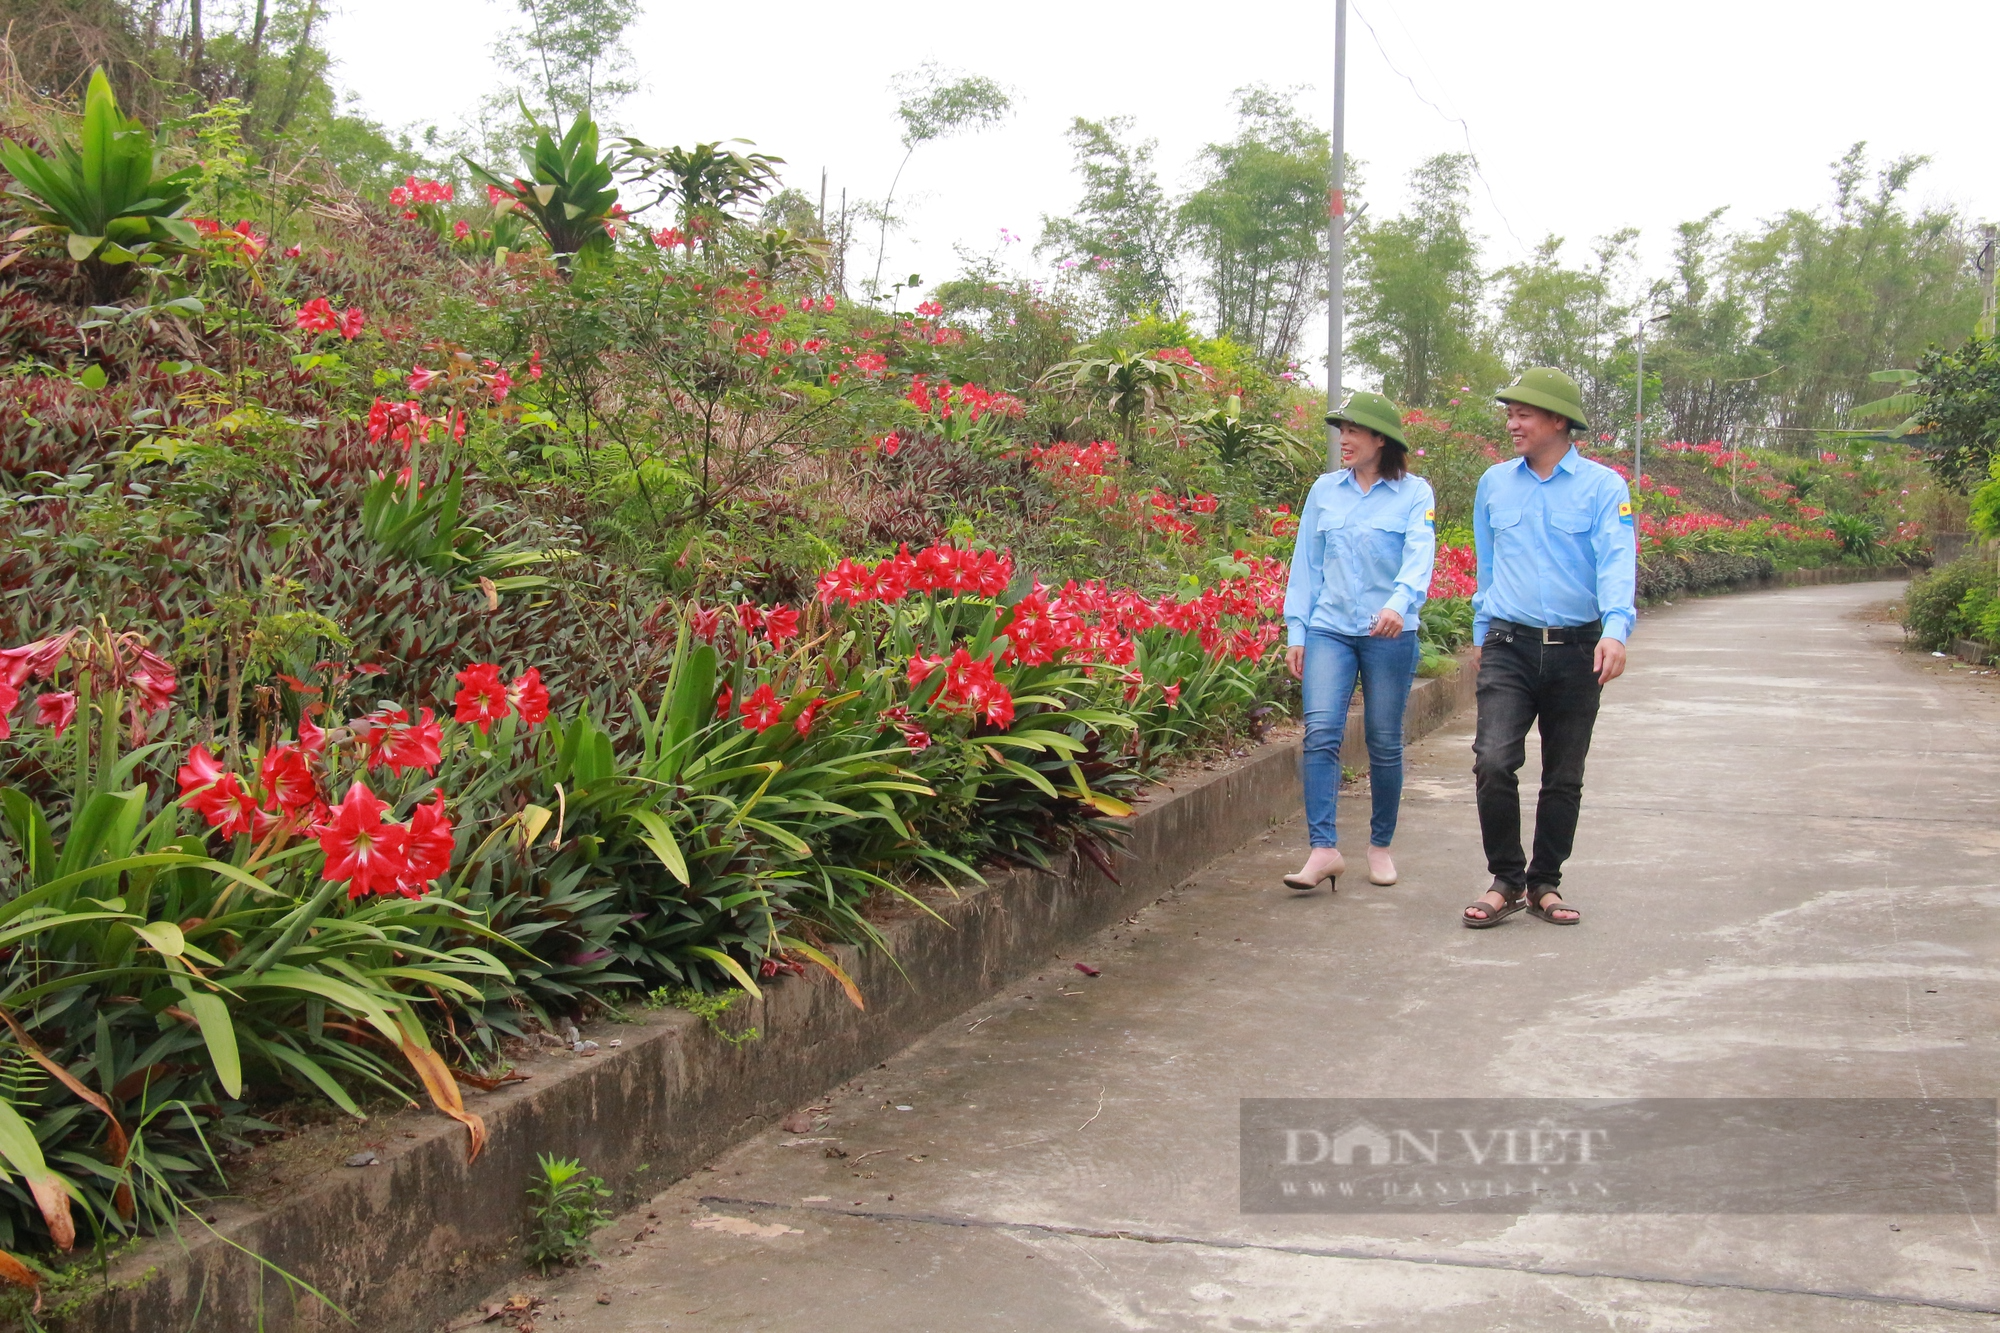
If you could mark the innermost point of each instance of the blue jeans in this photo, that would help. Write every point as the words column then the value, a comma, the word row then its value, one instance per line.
column 1385, row 668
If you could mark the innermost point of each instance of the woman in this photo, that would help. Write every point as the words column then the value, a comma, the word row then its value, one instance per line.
column 1360, row 572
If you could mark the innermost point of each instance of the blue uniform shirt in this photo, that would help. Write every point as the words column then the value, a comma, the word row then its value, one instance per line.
column 1555, row 552
column 1358, row 553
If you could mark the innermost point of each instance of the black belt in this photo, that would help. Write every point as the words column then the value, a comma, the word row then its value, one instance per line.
column 1552, row 635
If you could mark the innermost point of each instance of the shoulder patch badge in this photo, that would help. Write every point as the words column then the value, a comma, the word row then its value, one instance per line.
column 1431, row 517
column 1625, row 512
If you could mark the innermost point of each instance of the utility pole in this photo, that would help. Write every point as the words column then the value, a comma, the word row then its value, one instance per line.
column 1336, row 234
column 1985, row 262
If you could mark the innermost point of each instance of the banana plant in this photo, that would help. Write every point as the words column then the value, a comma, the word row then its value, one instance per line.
column 571, row 199
column 105, row 193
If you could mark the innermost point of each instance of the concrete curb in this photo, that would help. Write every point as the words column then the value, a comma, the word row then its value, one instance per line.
column 1797, row 578
column 414, row 1238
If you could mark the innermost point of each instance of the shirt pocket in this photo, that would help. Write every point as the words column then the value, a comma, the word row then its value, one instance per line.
column 1576, row 522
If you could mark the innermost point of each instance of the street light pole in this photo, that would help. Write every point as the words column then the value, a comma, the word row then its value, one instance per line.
column 1336, row 233
column 1639, row 410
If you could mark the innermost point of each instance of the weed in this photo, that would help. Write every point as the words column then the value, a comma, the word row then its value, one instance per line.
column 709, row 1008
column 563, row 1202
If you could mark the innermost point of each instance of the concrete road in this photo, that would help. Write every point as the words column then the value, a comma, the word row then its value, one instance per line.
column 1788, row 870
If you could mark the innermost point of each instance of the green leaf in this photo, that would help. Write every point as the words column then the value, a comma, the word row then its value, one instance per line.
column 211, row 1011
column 660, row 839
column 165, row 937
column 729, row 965
column 93, row 377
column 83, row 247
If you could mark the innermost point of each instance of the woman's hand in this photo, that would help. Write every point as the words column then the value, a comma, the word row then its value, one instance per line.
column 1388, row 624
column 1295, row 661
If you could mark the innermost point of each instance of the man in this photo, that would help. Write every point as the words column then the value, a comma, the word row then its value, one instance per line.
column 1557, row 563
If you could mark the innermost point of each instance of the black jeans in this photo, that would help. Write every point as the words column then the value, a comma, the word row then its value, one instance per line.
column 1523, row 681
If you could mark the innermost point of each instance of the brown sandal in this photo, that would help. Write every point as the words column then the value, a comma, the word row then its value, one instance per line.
column 1494, row 915
column 1546, row 912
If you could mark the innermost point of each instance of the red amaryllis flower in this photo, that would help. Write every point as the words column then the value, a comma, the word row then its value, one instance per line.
column 317, row 316
column 37, row 659
column 914, row 736
column 154, row 680
column 56, row 710
column 781, row 623
column 999, row 708
column 921, row 668
column 502, row 382
column 749, row 617
column 803, row 723
column 199, row 771
column 360, row 848
column 393, row 740
column 722, row 702
column 529, row 697
column 1172, row 693
column 421, row 379
column 427, row 847
column 705, row 622
column 9, row 696
column 351, row 324
column 288, row 780
column 761, row 710
column 481, row 699
column 229, row 808
column 312, row 739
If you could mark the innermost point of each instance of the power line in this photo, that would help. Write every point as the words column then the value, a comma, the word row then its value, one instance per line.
column 1460, row 121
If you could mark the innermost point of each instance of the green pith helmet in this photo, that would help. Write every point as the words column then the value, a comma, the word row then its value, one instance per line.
column 1375, row 412
column 1550, row 390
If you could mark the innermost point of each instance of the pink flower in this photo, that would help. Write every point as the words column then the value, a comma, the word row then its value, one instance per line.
column 459, row 230
column 351, row 324
column 291, row 252
column 55, row 710
column 9, row 696
column 502, row 382
column 421, row 379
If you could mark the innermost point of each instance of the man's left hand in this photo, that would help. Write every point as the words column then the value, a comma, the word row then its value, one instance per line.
column 1388, row 624
column 1609, row 663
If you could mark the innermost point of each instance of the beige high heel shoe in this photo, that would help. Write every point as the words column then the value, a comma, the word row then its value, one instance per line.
column 1377, row 875
column 1329, row 874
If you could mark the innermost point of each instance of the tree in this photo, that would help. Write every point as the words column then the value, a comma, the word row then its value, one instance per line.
column 1122, row 233
column 1834, row 297
column 1704, row 367
column 1258, row 224
column 1957, row 416
column 1573, row 319
column 936, row 107
column 569, row 61
column 1417, row 303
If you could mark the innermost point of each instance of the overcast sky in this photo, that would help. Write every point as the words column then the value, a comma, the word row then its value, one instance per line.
column 1585, row 117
